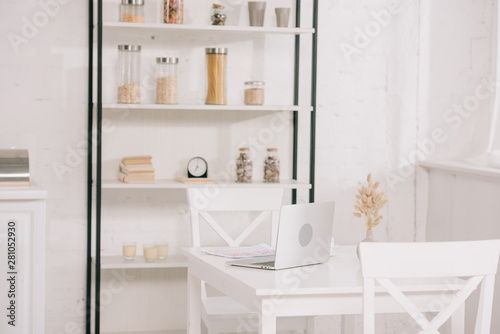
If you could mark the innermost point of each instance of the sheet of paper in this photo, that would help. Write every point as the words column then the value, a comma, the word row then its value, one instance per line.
column 240, row 252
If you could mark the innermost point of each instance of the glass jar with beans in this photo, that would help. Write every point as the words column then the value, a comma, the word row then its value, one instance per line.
column 272, row 166
column 244, row 167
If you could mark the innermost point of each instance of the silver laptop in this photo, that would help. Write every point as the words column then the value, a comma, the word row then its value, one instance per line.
column 304, row 236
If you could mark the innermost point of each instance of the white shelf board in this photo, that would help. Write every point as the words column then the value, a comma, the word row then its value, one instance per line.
column 152, row 28
column 172, row 184
column 205, row 107
column 171, row 331
column 463, row 168
column 118, row 262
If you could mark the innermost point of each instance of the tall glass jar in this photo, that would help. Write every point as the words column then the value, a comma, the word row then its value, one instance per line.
column 129, row 73
column 173, row 11
column 244, row 168
column 216, row 74
column 166, row 80
column 132, row 11
column 272, row 166
column 218, row 15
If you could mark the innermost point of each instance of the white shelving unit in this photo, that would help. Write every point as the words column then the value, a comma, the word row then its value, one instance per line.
column 172, row 184
column 153, row 34
column 118, row 262
column 165, row 107
column 152, row 29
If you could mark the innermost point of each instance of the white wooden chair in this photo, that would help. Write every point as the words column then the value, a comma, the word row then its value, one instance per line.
column 477, row 260
column 222, row 314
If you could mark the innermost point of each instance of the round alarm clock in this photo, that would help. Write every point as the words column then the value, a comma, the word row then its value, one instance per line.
column 197, row 167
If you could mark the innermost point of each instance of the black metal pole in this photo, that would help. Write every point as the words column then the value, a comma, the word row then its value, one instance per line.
column 98, row 171
column 296, row 100
column 314, row 73
column 90, row 110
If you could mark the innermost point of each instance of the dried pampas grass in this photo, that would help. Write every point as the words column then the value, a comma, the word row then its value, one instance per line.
column 369, row 202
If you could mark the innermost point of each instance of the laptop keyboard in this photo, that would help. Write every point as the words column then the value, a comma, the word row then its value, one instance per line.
column 267, row 264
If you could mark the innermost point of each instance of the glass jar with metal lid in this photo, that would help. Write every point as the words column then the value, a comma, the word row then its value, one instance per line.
column 216, row 70
column 132, row 11
column 244, row 166
column 129, row 76
column 272, row 166
column 254, row 92
column 166, row 80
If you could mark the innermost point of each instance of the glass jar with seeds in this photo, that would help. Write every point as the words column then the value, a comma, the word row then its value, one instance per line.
column 166, row 80
column 244, row 167
column 254, row 92
column 216, row 74
column 129, row 67
column 132, row 11
column 272, row 166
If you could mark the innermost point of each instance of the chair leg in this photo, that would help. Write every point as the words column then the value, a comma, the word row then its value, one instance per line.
column 347, row 324
column 310, row 325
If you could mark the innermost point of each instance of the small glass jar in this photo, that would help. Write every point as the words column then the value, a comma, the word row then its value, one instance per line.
column 254, row 92
column 129, row 76
column 272, row 166
column 218, row 15
column 166, row 80
column 150, row 252
column 132, row 11
column 216, row 74
column 173, row 11
column 244, row 168
column 129, row 249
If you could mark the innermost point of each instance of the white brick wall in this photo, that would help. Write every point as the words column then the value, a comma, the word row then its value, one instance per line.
column 373, row 111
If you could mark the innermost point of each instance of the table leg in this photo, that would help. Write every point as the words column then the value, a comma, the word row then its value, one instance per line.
column 194, row 305
column 267, row 318
column 347, row 323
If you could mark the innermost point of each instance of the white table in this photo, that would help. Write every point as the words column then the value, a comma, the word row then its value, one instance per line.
column 333, row 288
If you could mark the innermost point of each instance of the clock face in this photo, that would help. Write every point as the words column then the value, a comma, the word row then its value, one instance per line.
column 197, row 167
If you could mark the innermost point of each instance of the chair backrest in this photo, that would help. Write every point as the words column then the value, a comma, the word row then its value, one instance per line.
column 267, row 201
column 477, row 260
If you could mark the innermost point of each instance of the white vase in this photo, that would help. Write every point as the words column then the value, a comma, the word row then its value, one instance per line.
column 368, row 238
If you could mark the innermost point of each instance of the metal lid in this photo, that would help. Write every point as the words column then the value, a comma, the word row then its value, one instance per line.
column 133, row 2
column 167, row 60
column 125, row 47
column 244, row 149
column 255, row 83
column 222, row 51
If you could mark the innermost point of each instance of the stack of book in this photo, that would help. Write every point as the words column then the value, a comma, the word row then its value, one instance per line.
column 137, row 169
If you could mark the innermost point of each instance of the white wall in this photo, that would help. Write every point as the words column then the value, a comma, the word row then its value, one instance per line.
column 373, row 111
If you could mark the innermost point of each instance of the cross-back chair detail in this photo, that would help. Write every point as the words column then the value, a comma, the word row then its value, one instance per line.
column 477, row 260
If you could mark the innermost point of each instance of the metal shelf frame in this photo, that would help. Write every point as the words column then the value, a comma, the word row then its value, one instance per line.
column 98, row 26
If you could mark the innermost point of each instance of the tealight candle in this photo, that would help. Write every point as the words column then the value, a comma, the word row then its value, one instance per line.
column 150, row 252
column 129, row 249
column 162, row 248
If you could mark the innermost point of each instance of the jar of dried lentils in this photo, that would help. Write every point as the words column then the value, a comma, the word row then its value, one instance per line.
column 166, row 80
column 129, row 76
column 132, row 11
column 244, row 168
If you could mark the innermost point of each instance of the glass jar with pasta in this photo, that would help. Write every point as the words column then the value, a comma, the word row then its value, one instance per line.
column 173, row 11
column 216, row 75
